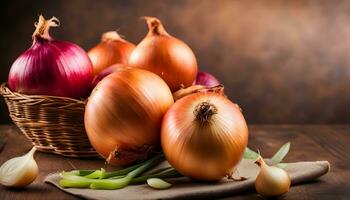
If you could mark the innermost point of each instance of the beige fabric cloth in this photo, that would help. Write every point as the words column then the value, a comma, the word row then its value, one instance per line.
column 186, row 188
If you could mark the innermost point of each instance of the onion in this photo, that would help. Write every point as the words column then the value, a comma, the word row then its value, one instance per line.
column 206, row 79
column 111, row 50
column 19, row 171
column 204, row 136
column 271, row 180
column 105, row 73
column 123, row 115
column 167, row 56
column 51, row 67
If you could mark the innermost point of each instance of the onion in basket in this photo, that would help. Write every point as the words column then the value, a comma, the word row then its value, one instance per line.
column 124, row 113
column 51, row 67
column 165, row 55
column 111, row 50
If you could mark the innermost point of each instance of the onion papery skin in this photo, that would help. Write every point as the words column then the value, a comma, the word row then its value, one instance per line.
column 204, row 149
column 111, row 50
column 52, row 67
column 206, row 79
column 166, row 56
column 124, row 113
column 105, row 73
column 219, row 89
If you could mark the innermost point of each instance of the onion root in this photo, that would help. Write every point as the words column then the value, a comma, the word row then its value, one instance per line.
column 122, row 155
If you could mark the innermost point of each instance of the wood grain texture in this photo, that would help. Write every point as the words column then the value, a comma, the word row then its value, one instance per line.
column 282, row 61
column 314, row 142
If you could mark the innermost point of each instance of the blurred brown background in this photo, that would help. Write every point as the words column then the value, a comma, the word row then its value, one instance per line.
column 285, row 61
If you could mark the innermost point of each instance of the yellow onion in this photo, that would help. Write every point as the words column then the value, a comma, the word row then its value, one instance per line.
column 204, row 136
column 124, row 113
column 19, row 171
column 271, row 180
column 111, row 50
column 165, row 55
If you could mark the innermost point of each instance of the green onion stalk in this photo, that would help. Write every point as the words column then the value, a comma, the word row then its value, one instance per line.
column 100, row 179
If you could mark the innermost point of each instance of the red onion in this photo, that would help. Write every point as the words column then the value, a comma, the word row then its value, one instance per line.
column 206, row 79
column 51, row 67
column 105, row 73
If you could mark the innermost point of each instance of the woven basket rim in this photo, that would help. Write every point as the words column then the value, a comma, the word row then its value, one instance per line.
column 6, row 90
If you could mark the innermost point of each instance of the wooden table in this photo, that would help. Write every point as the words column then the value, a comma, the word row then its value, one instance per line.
column 314, row 142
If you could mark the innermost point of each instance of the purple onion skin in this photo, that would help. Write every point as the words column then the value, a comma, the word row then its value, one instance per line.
column 105, row 73
column 206, row 79
column 52, row 67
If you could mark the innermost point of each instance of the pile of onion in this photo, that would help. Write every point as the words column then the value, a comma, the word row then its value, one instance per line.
column 204, row 136
column 124, row 113
column 111, row 50
column 166, row 56
column 51, row 67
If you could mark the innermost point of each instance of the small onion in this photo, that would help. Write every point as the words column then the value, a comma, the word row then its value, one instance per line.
column 206, row 79
column 271, row 180
column 124, row 113
column 204, row 136
column 19, row 171
column 111, row 50
column 51, row 67
column 166, row 56
column 158, row 183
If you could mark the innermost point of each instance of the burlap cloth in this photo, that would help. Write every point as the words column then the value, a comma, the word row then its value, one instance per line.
column 185, row 188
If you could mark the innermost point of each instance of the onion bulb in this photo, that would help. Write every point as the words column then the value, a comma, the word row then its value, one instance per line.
column 19, row 171
column 111, row 50
column 271, row 180
column 124, row 113
column 105, row 73
column 206, row 79
column 166, row 56
column 51, row 67
column 158, row 183
column 204, row 136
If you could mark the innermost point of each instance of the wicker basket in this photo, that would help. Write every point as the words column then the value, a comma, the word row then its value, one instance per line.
column 52, row 124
